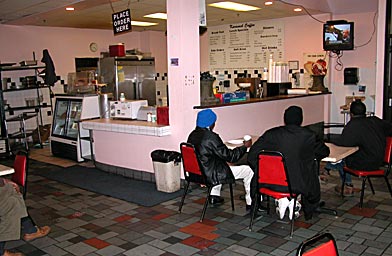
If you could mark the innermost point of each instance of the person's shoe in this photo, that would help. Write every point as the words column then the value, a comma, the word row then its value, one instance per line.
column 348, row 190
column 283, row 203
column 41, row 232
column 215, row 200
column 8, row 253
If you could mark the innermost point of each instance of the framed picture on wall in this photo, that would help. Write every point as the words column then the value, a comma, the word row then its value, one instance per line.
column 294, row 64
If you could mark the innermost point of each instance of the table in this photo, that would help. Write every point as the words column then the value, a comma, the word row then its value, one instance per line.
column 5, row 170
column 338, row 153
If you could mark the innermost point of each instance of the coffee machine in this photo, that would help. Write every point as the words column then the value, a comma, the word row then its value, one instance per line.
column 249, row 84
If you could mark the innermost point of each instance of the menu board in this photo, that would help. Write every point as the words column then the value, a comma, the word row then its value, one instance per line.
column 245, row 45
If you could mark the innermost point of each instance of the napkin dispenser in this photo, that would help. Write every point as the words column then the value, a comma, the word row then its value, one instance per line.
column 144, row 110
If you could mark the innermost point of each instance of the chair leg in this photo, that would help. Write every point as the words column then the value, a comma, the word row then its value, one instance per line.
column 268, row 205
column 371, row 185
column 231, row 196
column 389, row 185
column 253, row 210
column 205, row 204
column 183, row 196
column 293, row 218
column 362, row 192
column 343, row 182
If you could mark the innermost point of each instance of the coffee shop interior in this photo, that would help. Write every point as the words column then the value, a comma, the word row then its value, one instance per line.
column 92, row 89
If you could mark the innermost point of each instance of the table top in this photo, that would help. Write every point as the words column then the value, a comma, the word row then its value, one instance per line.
column 5, row 170
column 337, row 153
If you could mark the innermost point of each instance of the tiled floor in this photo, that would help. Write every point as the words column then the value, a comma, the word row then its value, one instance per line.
column 86, row 223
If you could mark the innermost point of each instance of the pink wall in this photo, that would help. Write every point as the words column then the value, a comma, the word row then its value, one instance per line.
column 64, row 44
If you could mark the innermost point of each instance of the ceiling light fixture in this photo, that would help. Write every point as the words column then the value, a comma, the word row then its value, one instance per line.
column 70, row 9
column 268, row 3
column 234, row 6
column 158, row 15
column 298, row 10
column 142, row 23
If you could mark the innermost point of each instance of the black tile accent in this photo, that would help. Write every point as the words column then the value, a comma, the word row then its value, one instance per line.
column 226, row 72
column 216, row 72
column 256, row 71
column 235, row 72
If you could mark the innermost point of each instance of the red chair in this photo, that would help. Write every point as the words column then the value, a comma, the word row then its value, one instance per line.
column 193, row 173
column 272, row 171
column 366, row 175
column 321, row 244
column 21, row 170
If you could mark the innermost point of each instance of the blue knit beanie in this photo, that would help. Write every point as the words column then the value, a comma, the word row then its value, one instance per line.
column 205, row 118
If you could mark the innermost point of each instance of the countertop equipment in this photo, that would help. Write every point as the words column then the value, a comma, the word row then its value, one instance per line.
column 144, row 110
column 127, row 109
column 249, row 84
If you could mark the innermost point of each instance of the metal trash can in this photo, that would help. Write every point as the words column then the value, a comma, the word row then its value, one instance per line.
column 167, row 170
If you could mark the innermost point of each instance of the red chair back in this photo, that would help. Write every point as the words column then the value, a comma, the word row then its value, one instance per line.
column 272, row 168
column 388, row 150
column 20, row 167
column 326, row 248
column 189, row 159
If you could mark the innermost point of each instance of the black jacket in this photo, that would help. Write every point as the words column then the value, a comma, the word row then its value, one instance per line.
column 369, row 134
column 214, row 155
column 300, row 149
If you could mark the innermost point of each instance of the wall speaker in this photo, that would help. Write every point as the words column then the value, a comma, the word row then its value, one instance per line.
column 351, row 76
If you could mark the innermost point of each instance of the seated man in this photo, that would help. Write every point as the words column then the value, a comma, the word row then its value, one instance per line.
column 369, row 134
column 214, row 156
column 301, row 150
column 14, row 219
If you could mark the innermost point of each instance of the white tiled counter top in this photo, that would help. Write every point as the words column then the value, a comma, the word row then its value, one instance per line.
column 127, row 126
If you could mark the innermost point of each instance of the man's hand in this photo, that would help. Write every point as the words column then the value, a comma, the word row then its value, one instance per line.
column 16, row 186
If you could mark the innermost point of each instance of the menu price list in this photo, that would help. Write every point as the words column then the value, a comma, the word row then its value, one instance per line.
column 245, row 45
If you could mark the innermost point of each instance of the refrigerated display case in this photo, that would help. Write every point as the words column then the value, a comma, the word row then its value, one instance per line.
column 66, row 134
column 129, row 75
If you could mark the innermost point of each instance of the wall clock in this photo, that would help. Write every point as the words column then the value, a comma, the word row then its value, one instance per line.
column 93, row 47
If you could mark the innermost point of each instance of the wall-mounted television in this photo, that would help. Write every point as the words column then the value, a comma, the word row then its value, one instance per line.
column 338, row 36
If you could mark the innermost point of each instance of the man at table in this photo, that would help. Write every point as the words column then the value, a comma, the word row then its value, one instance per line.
column 14, row 219
column 214, row 157
column 300, row 148
column 367, row 133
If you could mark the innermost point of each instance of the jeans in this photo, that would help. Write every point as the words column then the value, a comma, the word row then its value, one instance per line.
column 27, row 227
column 339, row 166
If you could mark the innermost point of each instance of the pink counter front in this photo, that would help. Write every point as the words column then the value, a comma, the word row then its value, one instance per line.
column 127, row 145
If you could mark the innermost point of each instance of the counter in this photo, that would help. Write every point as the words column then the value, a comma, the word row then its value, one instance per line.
column 127, row 126
column 124, row 147
column 264, row 99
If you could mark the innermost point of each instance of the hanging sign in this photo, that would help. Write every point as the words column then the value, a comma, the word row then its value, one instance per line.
column 122, row 21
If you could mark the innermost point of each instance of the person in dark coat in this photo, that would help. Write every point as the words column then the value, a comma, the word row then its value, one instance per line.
column 369, row 134
column 301, row 150
column 214, row 157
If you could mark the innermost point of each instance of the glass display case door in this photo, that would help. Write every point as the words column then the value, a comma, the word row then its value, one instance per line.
column 60, row 118
column 74, row 113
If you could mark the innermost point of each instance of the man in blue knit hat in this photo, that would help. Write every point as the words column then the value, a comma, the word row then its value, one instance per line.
column 214, row 157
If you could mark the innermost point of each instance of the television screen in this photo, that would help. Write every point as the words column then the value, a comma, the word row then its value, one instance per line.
column 338, row 36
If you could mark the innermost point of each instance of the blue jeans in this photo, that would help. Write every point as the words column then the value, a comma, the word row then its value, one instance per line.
column 339, row 166
column 27, row 227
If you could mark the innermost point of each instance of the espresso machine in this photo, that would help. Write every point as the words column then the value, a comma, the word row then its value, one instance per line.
column 249, row 84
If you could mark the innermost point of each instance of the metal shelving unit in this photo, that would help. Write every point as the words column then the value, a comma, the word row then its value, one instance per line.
column 27, row 111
